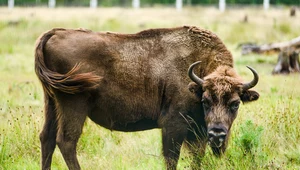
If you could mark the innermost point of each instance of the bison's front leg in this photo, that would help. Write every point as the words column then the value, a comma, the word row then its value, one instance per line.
column 173, row 136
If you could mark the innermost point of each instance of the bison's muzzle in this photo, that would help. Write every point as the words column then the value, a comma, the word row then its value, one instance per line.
column 217, row 135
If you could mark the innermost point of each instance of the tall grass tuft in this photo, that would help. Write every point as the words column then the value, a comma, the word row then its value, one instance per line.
column 19, row 142
column 248, row 138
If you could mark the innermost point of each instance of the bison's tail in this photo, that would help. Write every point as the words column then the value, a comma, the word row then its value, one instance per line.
column 71, row 82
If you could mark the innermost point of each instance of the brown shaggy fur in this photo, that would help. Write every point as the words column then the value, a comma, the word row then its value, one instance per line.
column 134, row 82
column 223, row 80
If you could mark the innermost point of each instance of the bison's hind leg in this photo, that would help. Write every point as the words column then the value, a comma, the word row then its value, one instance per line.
column 72, row 112
column 48, row 133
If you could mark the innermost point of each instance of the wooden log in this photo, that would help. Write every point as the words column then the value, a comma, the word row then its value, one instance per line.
column 288, row 62
column 293, row 44
column 293, row 11
column 288, row 57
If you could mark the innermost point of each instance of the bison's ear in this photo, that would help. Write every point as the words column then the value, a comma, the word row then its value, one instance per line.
column 195, row 88
column 249, row 96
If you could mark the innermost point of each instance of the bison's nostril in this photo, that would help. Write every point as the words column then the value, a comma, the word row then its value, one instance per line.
column 216, row 138
column 216, row 134
column 211, row 134
column 221, row 135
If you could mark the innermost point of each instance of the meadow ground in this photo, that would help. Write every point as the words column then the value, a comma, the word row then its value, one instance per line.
column 265, row 135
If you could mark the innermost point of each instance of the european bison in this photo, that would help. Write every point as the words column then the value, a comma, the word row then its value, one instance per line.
column 134, row 82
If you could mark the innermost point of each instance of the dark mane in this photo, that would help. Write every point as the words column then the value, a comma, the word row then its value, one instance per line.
column 154, row 32
column 149, row 32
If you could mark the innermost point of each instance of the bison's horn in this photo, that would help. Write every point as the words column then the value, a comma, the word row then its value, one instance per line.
column 193, row 76
column 253, row 83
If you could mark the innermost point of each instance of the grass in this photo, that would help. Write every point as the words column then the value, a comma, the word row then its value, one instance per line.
column 265, row 135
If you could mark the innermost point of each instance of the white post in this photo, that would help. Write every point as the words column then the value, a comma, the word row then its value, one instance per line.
column 136, row 4
column 178, row 5
column 51, row 3
column 222, row 5
column 11, row 4
column 266, row 4
column 93, row 3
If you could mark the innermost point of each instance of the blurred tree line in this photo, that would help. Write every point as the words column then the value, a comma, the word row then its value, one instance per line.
column 145, row 3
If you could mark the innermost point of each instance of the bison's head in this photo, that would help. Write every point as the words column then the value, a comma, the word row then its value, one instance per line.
column 221, row 93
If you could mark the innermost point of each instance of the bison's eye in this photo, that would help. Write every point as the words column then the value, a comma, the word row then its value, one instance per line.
column 234, row 106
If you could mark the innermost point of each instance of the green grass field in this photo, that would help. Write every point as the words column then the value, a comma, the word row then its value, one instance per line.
column 265, row 135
